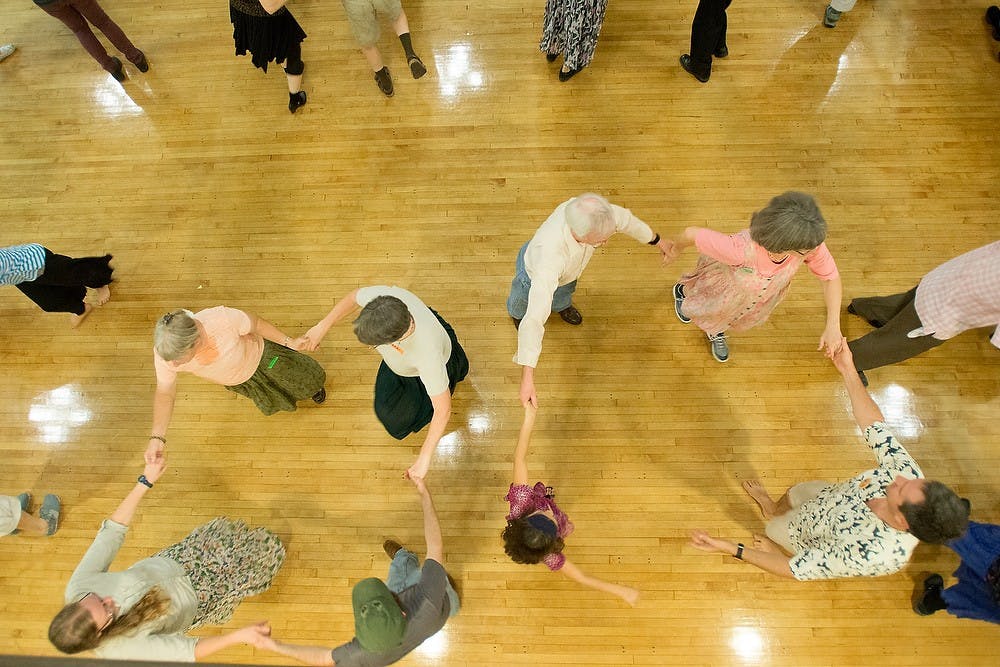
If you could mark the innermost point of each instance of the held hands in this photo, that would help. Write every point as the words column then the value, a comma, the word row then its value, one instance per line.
column 303, row 344
column 417, row 482
column 257, row 635
column 528, row 395
column 154, row 451
column 843, row 360
column 669, row 250
column 832, row 340
column 154, row 469
column 418, row 471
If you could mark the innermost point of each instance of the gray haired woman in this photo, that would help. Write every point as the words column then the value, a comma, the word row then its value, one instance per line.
column 243, row 352
column 740, row 278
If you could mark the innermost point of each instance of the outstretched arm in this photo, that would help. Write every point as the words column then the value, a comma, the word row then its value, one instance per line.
column 436, row 429
column 778, row 564
column 163, row 410
column 432, row 529
column 671, row 249
column 523, row 440
column 528, row 394
column 310, row 655
column 251, row 635
column 866, row 411
column 630, row 595
column 262, row 327
column 315, row 335
column 126, row 510
column 833, row 292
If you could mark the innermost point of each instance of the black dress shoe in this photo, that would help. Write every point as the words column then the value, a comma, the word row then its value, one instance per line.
column 721, row 52
column 119, row 71
column 688, row 66
column 319, row 396
column 551, row 57
column 566, row 76
column 141, row 63
column 930, row 601
column 296, row 100
column 571, row 315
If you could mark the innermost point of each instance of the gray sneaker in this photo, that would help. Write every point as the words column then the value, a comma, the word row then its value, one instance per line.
column 831, row 16
column 678, row 302
column 720, row 350
column 50, row 513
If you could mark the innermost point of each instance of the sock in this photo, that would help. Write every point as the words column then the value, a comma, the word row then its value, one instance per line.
column 407, row 45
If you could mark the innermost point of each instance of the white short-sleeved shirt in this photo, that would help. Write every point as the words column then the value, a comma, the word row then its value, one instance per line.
column 425, row 352
column 836, row 534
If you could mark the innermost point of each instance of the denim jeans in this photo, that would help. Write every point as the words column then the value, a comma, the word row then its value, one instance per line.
column 404, row 571
column 517, row 300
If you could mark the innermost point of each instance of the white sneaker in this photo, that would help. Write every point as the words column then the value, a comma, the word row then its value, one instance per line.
column 6, row 50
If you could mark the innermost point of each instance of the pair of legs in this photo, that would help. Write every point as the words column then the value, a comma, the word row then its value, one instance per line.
column 708, row 38
column 893, row 317
column 835, row 9
column 75, row 14
column 361, row 14
column 717, row 341
column 778, row 513
column 64, row 282
column 404, row 571
column 572, row 27
column 520, row 287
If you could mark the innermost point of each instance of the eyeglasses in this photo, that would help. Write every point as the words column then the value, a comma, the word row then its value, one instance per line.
column 92, row 602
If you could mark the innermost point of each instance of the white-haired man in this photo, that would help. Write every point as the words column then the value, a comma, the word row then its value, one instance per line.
column 549, row 265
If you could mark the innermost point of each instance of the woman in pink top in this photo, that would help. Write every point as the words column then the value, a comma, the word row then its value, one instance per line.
column 536, row 526
column 245, row 353
column 740, row 278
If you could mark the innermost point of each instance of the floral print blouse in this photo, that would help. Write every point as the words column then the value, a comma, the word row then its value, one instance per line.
column 525, row 500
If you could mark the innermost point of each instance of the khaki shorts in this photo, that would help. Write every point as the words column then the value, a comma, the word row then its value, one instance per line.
column 364, row 24
column 777, row 528
column 10, row 514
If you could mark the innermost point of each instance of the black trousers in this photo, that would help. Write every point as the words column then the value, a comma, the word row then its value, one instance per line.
column 402, row 403
column 708, row 33
column 63, row 284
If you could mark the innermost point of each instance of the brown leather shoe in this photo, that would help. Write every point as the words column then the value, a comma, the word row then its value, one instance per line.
column 571, row 316
column 391, row 547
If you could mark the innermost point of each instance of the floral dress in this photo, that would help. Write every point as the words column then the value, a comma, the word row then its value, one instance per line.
column 525, row 500
column 571, row 27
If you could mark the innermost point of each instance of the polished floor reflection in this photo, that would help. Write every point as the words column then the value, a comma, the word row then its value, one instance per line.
column 208, row 192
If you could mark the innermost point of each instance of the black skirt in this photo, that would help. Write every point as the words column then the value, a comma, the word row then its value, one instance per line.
column 272, row 37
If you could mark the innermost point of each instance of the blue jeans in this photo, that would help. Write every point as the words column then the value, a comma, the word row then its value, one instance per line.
column 404, row 571
column 517, row 300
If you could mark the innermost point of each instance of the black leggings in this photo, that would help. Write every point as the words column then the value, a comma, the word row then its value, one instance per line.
column 64, row 281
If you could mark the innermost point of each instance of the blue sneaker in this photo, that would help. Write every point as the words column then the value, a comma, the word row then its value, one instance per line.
column 50, row 513
column 720, row 350
column 678, row 302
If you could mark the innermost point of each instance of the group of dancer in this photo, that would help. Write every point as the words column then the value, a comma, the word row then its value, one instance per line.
column 865, row 526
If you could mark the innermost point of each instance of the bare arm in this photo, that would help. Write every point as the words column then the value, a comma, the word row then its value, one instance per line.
column 126, row 510
column 778, row 564
column 262, row 327
column 523, row 440
column 271, row 6
column 832, row 338
column 309, row 655
column 432, row 529
column 629, row 595
column 253, row 635
column 163, row 410
column 436, row 429
column 866, row 411
column 315, row 335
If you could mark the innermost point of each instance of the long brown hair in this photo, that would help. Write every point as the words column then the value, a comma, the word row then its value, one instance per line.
column 73, row 628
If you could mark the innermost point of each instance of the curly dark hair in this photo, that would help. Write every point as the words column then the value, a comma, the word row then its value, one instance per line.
column 527, row 545
column 941, row 517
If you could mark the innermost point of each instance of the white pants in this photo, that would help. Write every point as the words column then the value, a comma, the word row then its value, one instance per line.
column 777, row 528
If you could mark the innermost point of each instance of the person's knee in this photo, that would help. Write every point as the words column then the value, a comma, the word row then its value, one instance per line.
column 295, row 67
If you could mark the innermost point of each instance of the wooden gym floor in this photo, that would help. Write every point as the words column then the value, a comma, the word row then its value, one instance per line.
column 208, row 192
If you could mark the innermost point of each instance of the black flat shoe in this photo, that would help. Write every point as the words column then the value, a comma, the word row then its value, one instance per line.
column 721, row 52
column 142, row 64
column 296, row 100
column 566, row 76
column 119, row 71
column 551, row 57
column 688, row 66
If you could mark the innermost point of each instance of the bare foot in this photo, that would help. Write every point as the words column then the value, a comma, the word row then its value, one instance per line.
column 760, row 495
column 764, row 543
column 100, row 296
column 75, row 320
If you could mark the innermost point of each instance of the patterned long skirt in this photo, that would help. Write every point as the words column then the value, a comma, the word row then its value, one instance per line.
column 226, row 561
column 283, row 377
column 571, row 27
